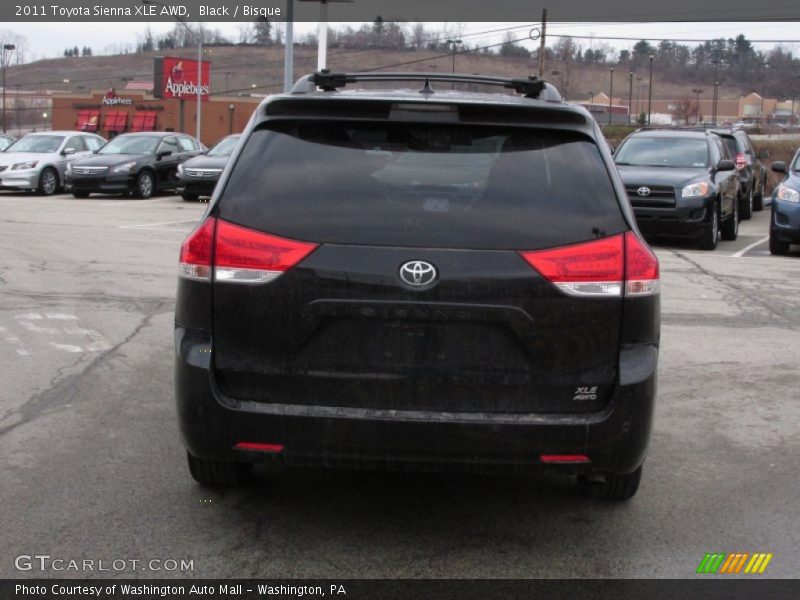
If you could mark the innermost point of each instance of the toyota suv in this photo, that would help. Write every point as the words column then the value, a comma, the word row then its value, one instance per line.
column 681, row 183
column 419, row 278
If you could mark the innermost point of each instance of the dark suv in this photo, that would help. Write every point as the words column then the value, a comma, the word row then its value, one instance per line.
column 402, row 279
column 681, row 183
column 752, row 174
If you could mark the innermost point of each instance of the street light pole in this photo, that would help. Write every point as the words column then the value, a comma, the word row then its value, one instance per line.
column 630, row 95
column 453, row 45
column 610, row 94
column 650, row 93
column 6, row 48
column 763, row 66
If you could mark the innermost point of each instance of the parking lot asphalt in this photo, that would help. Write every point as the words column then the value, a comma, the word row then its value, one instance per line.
column 91, row 464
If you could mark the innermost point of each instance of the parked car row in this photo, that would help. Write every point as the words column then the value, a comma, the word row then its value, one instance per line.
column 693, row 184
column 137, row 164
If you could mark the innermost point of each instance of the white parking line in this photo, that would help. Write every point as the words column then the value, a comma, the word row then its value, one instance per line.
column 129, row 202
column 156, row 225
column 746, row 249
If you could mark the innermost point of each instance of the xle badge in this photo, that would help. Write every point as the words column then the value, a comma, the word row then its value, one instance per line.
column 585, row 393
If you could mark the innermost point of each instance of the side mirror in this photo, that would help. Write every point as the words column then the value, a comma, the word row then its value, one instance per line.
column 163, row 153
column 779, row 166
column 762, row 154
column 67, row 151
column 726, row 165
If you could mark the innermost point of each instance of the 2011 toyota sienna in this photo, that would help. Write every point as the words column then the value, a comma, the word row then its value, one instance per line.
column 419, row 279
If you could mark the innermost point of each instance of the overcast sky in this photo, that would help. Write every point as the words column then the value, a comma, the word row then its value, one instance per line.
column 47, row 40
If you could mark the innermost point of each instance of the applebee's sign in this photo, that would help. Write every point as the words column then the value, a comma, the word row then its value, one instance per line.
column 177, row 78
column 111, row 99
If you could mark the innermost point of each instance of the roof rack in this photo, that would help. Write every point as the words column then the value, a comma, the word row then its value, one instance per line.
column 530, row 87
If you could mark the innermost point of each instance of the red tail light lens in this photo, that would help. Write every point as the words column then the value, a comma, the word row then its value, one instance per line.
column 642, row 277
column 247, row 256
column 196, row 251
column 589, row 269
column 259, row 447
column 599, row 267
column 740, row 161
column 238, row 254
column 564, row 458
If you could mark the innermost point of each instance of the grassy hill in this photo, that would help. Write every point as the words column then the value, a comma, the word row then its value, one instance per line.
column 259, row 69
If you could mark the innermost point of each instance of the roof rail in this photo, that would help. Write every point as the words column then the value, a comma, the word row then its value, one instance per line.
column 530, row 87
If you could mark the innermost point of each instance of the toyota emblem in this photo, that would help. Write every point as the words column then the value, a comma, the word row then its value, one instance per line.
column 417, row 273
column 643, row 191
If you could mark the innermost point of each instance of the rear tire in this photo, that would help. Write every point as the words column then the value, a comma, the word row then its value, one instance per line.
column 708, row 240
column 614, row 487
column 48, row 181
column 190, row 197
column 776, row 246
column 747, row 206
column 219, row 472
column 730, row 228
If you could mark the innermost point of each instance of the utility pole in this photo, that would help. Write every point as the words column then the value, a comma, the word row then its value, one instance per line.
column 542, row 43
column 6, row 48
column 763, row 66
column 650, row 93
column 610, row 95
column 630, row 95
column 697, row 92
column 288, row 53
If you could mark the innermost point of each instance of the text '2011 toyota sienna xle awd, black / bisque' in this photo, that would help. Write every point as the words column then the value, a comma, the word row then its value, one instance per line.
column 419, row 279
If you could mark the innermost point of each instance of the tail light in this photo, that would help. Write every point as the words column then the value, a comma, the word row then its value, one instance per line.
column 237, row 254
column 601, row 267
column 740, row 161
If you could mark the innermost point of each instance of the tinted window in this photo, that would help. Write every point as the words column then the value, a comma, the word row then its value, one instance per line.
column 75, row 143
column 665, row 151
column 413, row 185
column 169, row 144
column 731, row 145
column 92, row 143
column 743, row 143
column 186, row 144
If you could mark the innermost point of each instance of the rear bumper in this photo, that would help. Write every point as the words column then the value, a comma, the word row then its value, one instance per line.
column 615, row 439
column 688, row 219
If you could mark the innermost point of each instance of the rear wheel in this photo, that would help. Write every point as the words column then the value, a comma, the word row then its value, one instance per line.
column 776, row 246
column 730, row 228
column 190, row 197
column 145, row 184
column 708, row 240
column 613, row 486
column 48, row 181
column 747, row 206
column 219, row 472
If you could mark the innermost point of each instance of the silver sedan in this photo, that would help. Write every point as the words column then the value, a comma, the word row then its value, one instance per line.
column 37, row 161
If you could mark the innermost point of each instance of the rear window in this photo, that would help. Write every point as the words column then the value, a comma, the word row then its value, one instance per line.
column 730, row 143
column 422, row 185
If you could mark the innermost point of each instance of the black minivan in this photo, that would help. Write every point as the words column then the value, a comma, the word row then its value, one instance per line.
column 429, row 280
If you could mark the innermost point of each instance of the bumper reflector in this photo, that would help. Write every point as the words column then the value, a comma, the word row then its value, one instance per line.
column 564, row 458
column 257, row 447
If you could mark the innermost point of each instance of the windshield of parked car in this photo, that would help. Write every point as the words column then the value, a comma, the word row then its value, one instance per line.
column 135, row 144
column 39, row 144
column 423, row 185
column 224, row 147
column 675, row 152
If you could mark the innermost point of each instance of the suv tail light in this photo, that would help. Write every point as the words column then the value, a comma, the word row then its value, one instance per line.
column 233, row 253
column 740, row 161
column 602, row 267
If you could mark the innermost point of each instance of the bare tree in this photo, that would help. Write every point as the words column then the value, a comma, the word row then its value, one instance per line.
column 419, row 36
column 685, row 109
column 246, row 33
